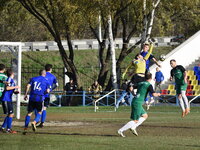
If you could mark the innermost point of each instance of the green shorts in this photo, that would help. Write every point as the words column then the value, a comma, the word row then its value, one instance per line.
column 181, row 87
column 137, row 111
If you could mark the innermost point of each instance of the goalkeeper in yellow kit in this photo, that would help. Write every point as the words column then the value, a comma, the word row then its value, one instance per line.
column 139, row 64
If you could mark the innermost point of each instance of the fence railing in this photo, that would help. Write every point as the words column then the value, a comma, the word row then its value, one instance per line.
column 86, row 98
column 87, row 76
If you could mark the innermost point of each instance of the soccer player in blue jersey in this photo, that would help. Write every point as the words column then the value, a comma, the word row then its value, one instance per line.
column 53, row 84
column 144, row 52
column 38, row 86
column 151, row 57
column 7, row 102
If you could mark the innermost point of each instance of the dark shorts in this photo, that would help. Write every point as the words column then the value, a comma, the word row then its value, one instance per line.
column 32, row 105
column 46, row 101
column 7, row 107
column 137, row 79
column 179, row 88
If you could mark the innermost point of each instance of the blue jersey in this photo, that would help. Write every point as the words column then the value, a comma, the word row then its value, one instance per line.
column 52, row 80
column 39, row 86
column 159, row 76
column 148, row 60
column 7, row 94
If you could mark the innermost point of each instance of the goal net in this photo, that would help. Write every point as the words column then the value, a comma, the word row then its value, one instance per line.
column 15, row 48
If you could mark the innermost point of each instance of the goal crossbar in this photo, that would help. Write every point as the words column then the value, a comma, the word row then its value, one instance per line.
column 95, row 102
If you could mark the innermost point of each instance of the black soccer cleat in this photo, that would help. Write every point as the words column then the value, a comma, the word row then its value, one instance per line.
column 33, row 126
column 41, row 125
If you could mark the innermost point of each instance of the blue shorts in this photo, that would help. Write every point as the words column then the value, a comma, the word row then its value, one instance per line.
column 7, row 107
column 32, row 105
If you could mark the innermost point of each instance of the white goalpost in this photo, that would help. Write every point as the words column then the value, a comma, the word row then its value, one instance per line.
column 115, row 98
column 15, row 48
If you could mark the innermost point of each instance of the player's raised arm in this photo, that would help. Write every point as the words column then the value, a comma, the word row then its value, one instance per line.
column 149, row 52
column 156, row 62
column 126, row 70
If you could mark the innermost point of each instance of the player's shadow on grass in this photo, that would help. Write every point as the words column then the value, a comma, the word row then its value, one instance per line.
column 185, row 145
column 176, row 127
column 79, row 134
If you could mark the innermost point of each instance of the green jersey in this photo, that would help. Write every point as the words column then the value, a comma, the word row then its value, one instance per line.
column 142, row 91
column 178, row 74
column 3, row 77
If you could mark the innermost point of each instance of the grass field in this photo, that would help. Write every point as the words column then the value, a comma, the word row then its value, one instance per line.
column 80, row 128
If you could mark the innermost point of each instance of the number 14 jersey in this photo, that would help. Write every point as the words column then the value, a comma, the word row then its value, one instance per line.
column 39, row 86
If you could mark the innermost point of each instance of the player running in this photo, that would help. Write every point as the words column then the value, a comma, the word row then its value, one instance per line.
column 38, row 86
column 7, row 102
column 138, row 114
column 179, row 73
column 53, row 84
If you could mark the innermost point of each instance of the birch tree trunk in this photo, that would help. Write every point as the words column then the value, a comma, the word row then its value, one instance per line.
column 152, row 19
column 112, row 49
column 100, row 39
column 144, row 31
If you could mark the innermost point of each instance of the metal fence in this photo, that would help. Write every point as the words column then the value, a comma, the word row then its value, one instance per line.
column 83, row 98
column 87, row 76
column 29, row 72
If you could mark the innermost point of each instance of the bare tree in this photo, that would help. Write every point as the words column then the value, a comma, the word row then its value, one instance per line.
column 52, row 14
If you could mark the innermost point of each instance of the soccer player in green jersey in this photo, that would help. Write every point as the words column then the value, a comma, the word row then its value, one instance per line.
column 3, row 78
column 180, row 75
column 138, row 114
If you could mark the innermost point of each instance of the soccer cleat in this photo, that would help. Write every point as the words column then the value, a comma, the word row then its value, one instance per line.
column 3, row 130
column 37, row 123
column 134, row 131
column 146, row 102
column 183, row 114
column 25, row 131
column 33, row 126
column 151, row 101
column 41, row 125
column 11, row 131
column 148, row 106
column 187, row 111
column 121, row 133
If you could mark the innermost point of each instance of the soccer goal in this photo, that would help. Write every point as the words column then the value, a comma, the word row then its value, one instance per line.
column 15, row 48
column 113, row 108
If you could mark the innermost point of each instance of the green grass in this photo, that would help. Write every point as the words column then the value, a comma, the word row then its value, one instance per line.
column 163, row 130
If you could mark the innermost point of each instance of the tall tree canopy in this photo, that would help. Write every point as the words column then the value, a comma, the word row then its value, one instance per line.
column 39, row 20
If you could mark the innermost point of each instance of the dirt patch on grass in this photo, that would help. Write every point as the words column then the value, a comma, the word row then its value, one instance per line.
column 58, row 123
